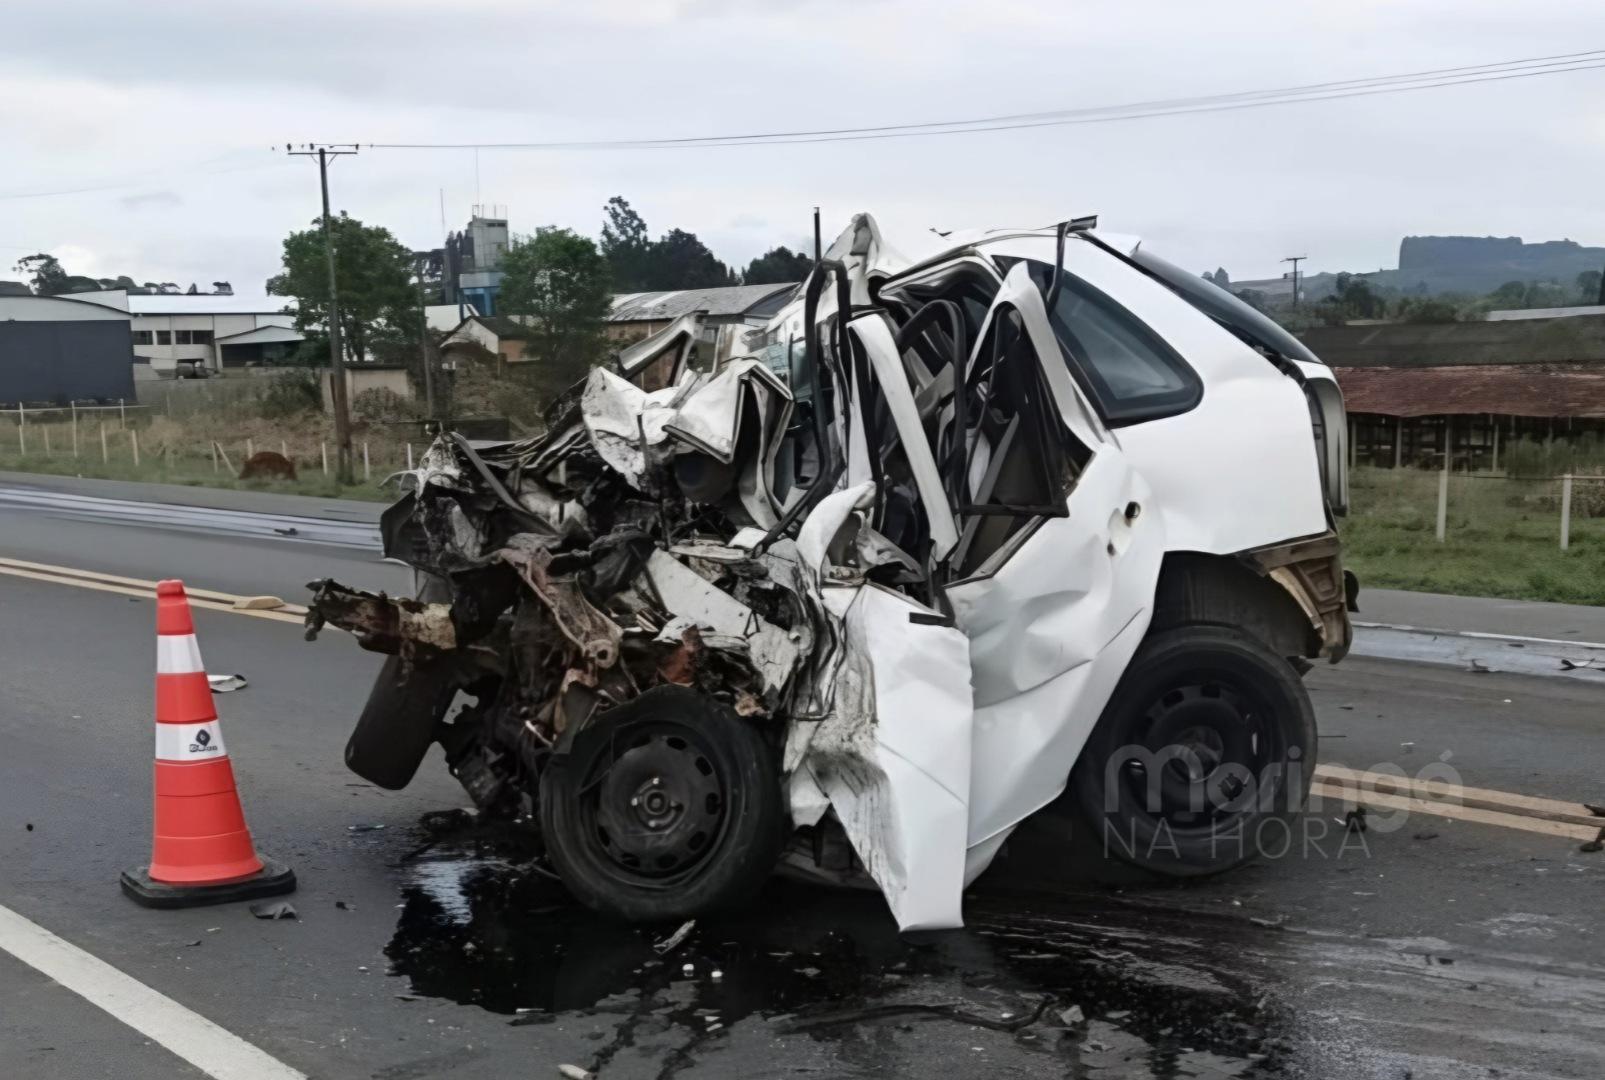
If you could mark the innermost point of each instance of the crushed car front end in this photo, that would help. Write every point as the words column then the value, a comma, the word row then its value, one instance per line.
column 857, row 604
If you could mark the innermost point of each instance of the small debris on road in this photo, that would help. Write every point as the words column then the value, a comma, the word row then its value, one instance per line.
column 274, row 909
column 1072, row 1016
column 1354, row 820
column 1425, row 836
column 1477, row 667
column 440, row 822
column 1596, row 844
column 673, row 941
column 1407, row 746
column 288, row 531
column 364, row 828
column 29, row 826
column 1597, row 811
column 341, row 905
column 258, row 603
column 574, row 1072
column 226, row 684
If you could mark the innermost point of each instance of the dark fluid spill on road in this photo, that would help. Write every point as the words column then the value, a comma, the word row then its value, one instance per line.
column 480, row 927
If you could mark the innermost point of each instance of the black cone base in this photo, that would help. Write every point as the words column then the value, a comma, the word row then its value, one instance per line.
column 275, row 879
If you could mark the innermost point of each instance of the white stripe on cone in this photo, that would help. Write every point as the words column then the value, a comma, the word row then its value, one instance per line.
column 190, row 742
column 177, row 654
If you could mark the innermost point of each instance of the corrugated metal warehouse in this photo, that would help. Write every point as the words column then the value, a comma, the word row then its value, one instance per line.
column 55, row 349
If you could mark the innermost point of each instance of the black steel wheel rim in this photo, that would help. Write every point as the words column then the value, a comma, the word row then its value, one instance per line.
column 1208, row 742
column 654, row 804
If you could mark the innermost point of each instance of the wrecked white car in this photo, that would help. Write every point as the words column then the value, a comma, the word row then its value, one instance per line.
column 1040, row 518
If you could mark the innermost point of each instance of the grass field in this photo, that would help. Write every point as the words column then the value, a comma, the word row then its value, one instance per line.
column 171, row 452
column 1502, row 536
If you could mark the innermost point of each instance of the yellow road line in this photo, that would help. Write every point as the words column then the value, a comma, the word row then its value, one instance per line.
column 206, row 599
column 1380, row 800
column 1510, row 810
column 116, row 579
column 1443, row 792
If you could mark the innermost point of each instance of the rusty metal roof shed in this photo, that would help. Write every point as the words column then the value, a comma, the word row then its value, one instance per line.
column 1496, row 389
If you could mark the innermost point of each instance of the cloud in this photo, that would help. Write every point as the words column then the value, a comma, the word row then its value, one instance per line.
column 151, row 199
column 172, row 111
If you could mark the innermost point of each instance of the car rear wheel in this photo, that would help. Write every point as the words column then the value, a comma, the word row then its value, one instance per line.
column 1202, row 757
column 664, row 808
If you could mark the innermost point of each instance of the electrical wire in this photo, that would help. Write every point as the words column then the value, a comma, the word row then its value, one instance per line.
column 1385, row 84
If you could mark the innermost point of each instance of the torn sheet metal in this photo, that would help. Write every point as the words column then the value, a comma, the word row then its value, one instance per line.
column 894, row 757
column 691, row 597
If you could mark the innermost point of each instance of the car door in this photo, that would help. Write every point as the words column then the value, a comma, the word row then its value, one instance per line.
column 1053, row 576
column 892, row 756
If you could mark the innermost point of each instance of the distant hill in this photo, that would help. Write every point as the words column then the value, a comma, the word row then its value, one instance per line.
column 1429, row 265
column 1479, row 264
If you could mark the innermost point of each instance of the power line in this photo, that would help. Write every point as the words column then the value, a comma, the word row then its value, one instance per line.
column 1385, row 84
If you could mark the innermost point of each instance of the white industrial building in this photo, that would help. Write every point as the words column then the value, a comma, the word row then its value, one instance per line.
column 211, row 331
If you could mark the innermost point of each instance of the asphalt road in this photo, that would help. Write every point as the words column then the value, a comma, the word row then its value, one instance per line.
column 1437, row 949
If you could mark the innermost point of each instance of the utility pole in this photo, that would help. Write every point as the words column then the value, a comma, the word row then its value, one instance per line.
column 423, row 342
column 818, row 253
column 1295, row 260
column 337, row 363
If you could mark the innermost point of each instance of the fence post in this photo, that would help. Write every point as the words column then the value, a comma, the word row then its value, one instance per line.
column 1496, row 447
column 367, row 473
column 323, row 452
column 409, row 457
column 284, row 450
column 250, row 450
column 122, row 413
column 1565, row 511
column 1443, row 501
column 22, row 437
column 74, row 405
column 46, row 430
column 105, row 455
column 133, row 443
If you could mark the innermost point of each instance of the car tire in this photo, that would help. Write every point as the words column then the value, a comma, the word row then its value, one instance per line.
column 665, row 808
column 1202, row 758
column 407, row 703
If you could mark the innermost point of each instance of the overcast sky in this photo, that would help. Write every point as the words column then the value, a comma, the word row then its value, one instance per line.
column 167, row 110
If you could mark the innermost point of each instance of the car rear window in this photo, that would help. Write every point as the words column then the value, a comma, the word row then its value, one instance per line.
column 1130, row 372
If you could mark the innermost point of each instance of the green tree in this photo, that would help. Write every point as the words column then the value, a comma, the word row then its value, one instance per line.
column 777, row 266
column 678, row 260
column 626, row 246
column 558, row 284
column 1352, row 298
column 1588, row 290
column 48, row 277
column 378, row 301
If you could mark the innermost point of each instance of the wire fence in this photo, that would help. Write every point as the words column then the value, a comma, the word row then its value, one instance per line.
column 1562, row 510
column 136, row 442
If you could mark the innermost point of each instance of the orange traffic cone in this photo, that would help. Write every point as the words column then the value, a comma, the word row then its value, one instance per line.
column 202, row 852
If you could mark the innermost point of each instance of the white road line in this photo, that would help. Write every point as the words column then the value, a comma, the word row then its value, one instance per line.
column 188, row 1035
